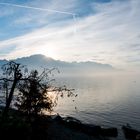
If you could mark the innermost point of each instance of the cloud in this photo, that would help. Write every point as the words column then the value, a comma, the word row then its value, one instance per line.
column 4, row 51
column 32, row 15
column 110, row 31
column 36, row 8
column 97, row 60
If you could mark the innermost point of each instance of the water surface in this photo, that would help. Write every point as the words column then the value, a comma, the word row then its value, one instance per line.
column 110, row 101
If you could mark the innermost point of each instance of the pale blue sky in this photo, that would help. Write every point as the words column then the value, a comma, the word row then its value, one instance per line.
column 104, row 31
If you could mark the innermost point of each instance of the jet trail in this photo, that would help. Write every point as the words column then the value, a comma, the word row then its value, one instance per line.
column 40, row 9
column 36, row 8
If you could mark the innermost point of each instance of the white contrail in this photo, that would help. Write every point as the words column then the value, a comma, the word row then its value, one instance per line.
column 41, row 9
column 36, row 8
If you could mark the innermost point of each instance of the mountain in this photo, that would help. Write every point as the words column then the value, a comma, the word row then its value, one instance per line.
column 40, row 61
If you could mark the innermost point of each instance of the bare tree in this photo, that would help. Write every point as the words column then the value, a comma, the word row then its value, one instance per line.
column 12, row 74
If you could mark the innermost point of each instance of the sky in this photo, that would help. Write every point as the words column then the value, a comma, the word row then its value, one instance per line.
column 103, row 31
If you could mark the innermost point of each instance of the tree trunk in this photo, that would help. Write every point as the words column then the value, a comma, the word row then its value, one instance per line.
column 8, row 102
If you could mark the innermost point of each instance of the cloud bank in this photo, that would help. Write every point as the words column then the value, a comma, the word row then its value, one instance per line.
column 107, row 33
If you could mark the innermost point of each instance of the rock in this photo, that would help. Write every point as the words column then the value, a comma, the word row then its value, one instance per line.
column 56, row 117
column 84, row 128
column 109, row 132
column 93, row 130
column 130, row 133
column 138, row 137
column 72, row 122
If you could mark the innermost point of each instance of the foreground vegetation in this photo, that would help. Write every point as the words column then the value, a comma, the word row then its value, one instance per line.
column 32, row 98
column 32, row 89
column 40, row 127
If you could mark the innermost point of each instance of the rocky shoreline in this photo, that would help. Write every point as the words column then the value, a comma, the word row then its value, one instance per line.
column 18, row 126
column 54, row 127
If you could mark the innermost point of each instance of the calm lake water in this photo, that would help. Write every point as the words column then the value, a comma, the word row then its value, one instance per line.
column 109, row 101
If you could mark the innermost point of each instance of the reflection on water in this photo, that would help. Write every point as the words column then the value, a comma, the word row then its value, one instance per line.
column 104, row 100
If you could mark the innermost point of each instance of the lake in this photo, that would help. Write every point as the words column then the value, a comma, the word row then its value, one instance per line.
column 106, row 100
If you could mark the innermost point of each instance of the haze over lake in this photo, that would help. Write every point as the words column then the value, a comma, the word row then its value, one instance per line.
column 107, row 100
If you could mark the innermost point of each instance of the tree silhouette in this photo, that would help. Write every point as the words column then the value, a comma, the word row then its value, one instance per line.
column 12, row 73
column 32, row 88
column 34, row 95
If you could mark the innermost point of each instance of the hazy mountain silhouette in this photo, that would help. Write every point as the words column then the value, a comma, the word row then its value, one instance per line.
column 38, row 61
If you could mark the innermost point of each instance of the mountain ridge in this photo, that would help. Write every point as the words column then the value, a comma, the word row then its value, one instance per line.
column 38, row 60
